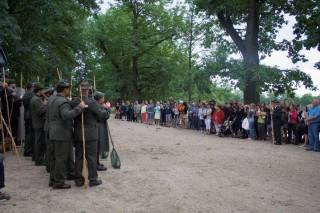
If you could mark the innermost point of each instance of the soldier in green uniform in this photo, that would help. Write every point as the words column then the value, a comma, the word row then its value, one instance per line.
column 49, row 147
column 103, row 139
column 38, row 112
column 29, row 131
column 91, row 116
column 60, row 117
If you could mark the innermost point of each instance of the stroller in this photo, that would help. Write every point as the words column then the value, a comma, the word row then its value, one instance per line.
column 226, row 128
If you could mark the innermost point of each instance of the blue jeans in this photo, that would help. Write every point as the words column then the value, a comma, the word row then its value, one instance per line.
column 252, row 131
column 313, row 134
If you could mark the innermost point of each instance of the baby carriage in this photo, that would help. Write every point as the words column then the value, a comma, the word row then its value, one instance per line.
column 226, row 128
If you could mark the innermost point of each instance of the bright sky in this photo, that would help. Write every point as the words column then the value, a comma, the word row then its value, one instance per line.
column 280, row 59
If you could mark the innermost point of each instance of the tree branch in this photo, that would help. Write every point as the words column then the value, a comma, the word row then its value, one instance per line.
column 227, row 24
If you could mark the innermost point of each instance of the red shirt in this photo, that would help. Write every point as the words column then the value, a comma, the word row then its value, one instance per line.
column 293, row 117
column 218, row 116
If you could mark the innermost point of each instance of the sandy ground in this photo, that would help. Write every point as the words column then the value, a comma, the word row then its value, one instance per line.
column 169, row 170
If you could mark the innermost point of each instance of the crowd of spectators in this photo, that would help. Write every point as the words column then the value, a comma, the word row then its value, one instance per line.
column 250, row 122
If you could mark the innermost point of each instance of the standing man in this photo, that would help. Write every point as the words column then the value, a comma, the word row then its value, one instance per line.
column 276, row 113
column 313, row 128
column 91, row 116
column 60, row 133
column 29, row 131
column 38, row 113
column 49, row 146
column 14, row 110
column 103, row 137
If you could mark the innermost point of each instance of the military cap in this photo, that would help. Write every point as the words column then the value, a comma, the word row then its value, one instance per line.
column 48, row 90
column 63, row 84
column 38, row 86
column 30, row 85
column 98, row 95
column 84, row 86
column 275, row 101
column 12, row 81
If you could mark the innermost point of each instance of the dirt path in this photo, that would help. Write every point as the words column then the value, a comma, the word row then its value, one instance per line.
column 170, row 170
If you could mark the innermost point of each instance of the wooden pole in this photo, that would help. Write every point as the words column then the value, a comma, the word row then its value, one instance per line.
column 5, row 94
column 70, row 92
column 21, row 80
column 38, row 79
column 2, row 131
column 94, row 82
column 12, row 140
column 83, row 147
column 59, row 77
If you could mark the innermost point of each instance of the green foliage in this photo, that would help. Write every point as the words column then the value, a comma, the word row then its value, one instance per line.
column 39, row 36
column 136, row 39
column 252, row 27
column 306, row 28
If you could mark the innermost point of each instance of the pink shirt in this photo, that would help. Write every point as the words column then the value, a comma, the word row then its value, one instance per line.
column 293, row 117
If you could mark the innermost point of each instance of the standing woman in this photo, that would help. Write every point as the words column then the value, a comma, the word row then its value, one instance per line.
column 123, row 111
column 143, row 112
column 251, row 114
column 157, row 114
column 237, row 128
column 127, row 110
column 218, row 118
column 208, row 115
column 176, row 115
column 150, row 111
column 262, row 112
column 201, row 117
column 117, row 111
column 292, row 125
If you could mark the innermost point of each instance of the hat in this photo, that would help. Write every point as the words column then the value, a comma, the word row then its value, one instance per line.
column 38, row 86
column 275, row 101
column 98, row 95
column 48, row 90
column 63, row 84
column 30, row 85
column 84, row 85
column 12, row 81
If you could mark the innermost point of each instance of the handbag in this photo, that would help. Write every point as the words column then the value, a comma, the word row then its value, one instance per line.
column 115, row 159
column 245, row 124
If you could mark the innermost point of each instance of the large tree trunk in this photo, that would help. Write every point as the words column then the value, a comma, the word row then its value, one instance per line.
column 249, row 47
column 251, row 55
column 250, row 92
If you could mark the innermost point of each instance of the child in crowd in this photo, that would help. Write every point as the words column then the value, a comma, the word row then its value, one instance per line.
column 157, row 113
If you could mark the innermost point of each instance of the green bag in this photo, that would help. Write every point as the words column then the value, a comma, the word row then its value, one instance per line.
column 115, row 159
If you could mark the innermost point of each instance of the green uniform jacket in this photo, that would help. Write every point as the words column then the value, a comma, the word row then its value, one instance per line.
column 60, row 117
column 38, row 112
column 91, row 116
column 26, row 103
column 103, row 137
